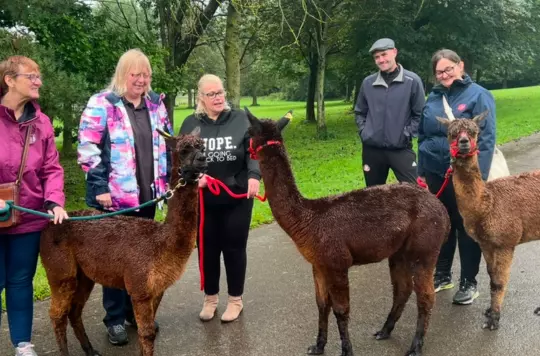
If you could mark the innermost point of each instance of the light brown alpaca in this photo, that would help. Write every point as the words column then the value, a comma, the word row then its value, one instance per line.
column 499, row 214
column 401, row 222
column 144, row 257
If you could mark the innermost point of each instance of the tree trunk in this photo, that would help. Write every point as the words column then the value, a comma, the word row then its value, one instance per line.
column 254, row 99
column 321, row 66
column 478, row 75
column 312, row 85
column 178, row 42
column 232, row 56
column 321, row 118
column 190, row 99
column 505, row 79
column 357, row 86
column 169, row 102
column 67, row 146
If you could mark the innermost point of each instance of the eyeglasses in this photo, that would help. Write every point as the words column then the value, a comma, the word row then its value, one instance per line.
column 141, row 75
column 213, row 95
column 447, row 70
column 32, row 77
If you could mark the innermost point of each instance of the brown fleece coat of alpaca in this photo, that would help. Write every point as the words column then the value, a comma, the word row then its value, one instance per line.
column 142, row 256
column 401, row 222
column 499, row 214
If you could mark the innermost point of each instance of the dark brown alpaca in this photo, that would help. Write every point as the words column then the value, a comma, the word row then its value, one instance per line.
column 140, row 255
column 499, row 214
column 401, row 222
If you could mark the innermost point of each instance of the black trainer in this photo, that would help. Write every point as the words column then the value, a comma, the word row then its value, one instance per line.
column 117, row 335
column 442, row 282
column 467, row 293
column 130, row 321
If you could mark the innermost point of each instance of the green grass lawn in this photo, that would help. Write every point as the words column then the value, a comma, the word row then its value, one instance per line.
column 328, row 167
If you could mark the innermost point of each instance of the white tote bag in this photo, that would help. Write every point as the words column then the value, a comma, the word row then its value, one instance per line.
column 499, row 168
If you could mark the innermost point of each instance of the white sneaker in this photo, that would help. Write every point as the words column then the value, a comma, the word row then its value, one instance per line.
column 25, row 349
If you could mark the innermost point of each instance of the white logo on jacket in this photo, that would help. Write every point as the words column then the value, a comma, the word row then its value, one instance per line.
column 218, row 149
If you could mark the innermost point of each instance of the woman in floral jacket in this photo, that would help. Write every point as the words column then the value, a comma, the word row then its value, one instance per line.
column 124, row 158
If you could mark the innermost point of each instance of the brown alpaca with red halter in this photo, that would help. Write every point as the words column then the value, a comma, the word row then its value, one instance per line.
column 142, row 256
column 401, row 222
column 499, row 214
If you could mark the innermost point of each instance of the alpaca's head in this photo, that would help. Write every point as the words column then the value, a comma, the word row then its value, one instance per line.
column 187, row 154
column 462, row 133
column 266, row 131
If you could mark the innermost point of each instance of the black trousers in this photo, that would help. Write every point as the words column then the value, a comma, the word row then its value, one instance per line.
column 377, row 162
column 117, row 302
column 470, row 253
column 226, row 230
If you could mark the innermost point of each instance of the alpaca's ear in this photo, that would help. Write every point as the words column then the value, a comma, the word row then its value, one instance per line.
column 170, row 140
column 480, row 117
column 164, row 134
column 255, row 123
column 196, row 132
column 284, row 121
column 443, row 121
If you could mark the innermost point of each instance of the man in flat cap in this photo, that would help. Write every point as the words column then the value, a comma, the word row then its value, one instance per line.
column 387, row 113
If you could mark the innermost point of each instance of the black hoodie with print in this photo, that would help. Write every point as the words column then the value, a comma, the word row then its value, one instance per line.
column 226, row 146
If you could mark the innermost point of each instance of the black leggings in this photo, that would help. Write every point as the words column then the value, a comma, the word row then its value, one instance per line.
column 469, row 251
column 226, row 229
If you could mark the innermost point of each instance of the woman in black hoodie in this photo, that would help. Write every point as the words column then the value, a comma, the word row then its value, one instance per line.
column 227, row 220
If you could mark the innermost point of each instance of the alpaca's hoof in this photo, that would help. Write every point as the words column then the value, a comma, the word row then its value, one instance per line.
column 382, row 335
column 315, row 350
column 414, row 353
column 492, row 321
column 537, row 311
column 347, row 352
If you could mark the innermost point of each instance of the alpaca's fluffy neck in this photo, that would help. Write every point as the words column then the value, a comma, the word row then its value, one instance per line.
column 286, row 202
column 181, row 220
column 473, row 197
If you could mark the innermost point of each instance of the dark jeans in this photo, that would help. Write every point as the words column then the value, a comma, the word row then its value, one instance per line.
column 18, row 261
column 470, row 253
column 377, row 162
column 226, row 229
column 117, row 302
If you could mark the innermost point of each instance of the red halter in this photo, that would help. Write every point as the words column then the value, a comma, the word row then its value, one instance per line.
column 454, row 149
column 253, row 152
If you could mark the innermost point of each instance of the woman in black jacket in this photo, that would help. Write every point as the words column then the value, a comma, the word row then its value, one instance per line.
column 227, row 220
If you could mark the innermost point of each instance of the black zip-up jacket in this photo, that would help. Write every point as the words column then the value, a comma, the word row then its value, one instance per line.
column 227, row 152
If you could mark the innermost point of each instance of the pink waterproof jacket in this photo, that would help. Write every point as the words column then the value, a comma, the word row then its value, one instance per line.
column 43, row 177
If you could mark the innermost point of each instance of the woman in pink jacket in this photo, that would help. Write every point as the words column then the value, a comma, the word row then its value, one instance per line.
column 41, row 188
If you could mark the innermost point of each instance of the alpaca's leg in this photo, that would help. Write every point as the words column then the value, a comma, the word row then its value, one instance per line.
column 339, row 295
column 61, row 299
column 144, row 316
column 425, row 298
column 498, row 263
column 156, row 303
column 325, row 305
column 84, row 288
column 401, row 276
